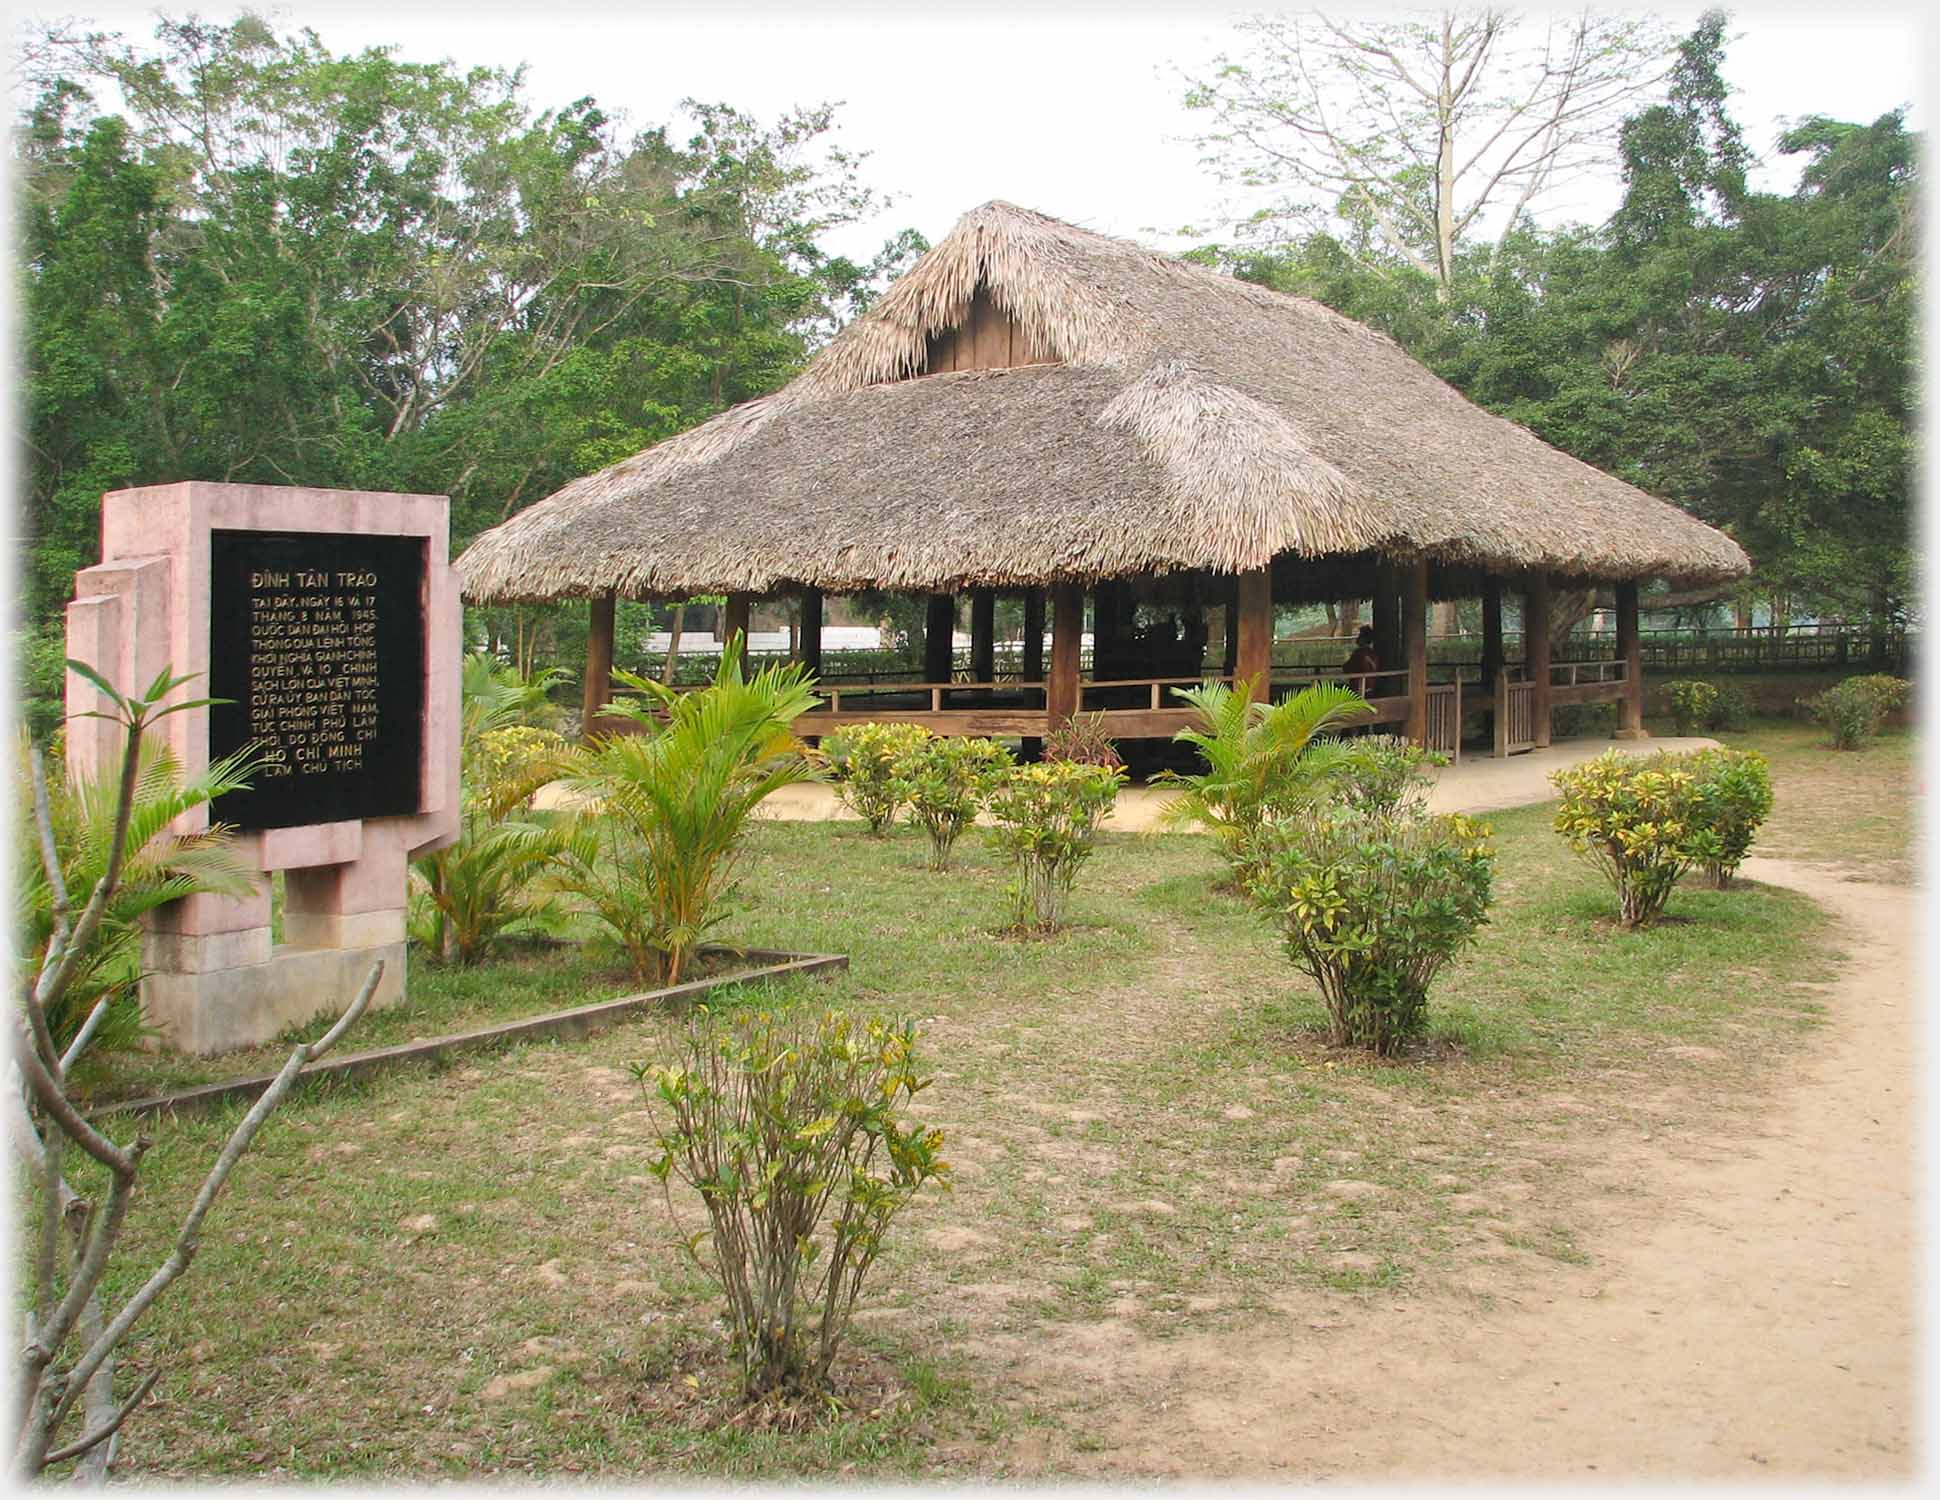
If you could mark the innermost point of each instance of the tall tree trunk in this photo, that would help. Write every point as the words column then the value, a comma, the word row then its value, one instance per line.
column 1568, row 608
column 1445, row 168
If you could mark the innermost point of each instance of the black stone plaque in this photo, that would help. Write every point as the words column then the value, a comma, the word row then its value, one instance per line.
column 317, row 638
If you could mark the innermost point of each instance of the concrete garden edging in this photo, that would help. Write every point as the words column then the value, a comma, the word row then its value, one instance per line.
column 571, row 1025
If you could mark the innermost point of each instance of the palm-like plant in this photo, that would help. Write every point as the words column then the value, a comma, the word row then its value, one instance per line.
column 481, row 887
column 493, row 694
column 1261, row 761
column 158, row 867
column 653, row 850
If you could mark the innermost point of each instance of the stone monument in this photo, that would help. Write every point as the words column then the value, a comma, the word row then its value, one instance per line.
column 330, row 621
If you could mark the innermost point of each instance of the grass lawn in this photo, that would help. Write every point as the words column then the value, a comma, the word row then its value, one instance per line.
column 1849, row 810
column 469, row 1271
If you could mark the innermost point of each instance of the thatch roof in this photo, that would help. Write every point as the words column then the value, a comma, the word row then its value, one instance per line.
column 1193, row 421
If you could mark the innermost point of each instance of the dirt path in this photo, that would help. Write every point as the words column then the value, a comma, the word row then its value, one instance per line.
column 1752, row 1314
column 1479, row 784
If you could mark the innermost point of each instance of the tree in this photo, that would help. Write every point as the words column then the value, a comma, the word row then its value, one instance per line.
column 287, row 266
column 92, row 323
column 1406, row 137
column 1747, row 355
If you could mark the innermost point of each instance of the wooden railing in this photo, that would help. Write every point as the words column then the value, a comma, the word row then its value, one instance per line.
column 1585, row 672
column 1443, row 729
column 1159, row 689
column 933, row 691
column 1515, row 712
column 1146, row 707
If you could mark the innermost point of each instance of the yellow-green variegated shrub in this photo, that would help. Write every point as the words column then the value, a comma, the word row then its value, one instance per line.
column 1046, row 817
column 1732, row 797
column 789, row 1127
column 1372, row 904
column 1639, row 821
column 944, row 780
column 862, row 762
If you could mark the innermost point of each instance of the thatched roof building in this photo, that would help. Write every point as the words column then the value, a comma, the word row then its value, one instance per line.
column 1037, row 408
column 1088, row 409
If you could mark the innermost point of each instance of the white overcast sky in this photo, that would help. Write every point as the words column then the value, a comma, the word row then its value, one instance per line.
column 1068, row 106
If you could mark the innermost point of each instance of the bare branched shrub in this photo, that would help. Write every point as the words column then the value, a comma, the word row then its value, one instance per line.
column 66, row 1403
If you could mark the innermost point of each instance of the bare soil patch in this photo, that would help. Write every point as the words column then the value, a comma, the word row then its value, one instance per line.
column 1747, row 1310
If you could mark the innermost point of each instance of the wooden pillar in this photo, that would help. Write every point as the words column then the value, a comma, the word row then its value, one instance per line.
column 938, row 628
column 1535, row 651
column 1630, row 651
column 1387, row 621
column 1414, row 629
column 811, row 647
column 983, row 635
column 1231, row 659
column 1491, row 632
column 597, row 687
column 739, row 608
column 1067, row 639
column 1032, row 669
column 1254, row 659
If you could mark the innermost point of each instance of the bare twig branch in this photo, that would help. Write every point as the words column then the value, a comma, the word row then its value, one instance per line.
column 188, row 1239
column 50, row 1229
column 50, row 1096
column 58, row 969
column 86, row 1034
column 50, row 860
column 48, row 1396
column 1366, row 125
column 111, row 1426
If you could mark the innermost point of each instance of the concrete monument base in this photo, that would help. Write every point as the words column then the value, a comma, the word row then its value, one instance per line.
column 247, row 1004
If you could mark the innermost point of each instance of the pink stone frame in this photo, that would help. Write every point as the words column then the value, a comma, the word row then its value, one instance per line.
column 214, row 980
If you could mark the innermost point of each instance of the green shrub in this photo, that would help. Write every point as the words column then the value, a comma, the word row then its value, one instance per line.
column 1855, row 710
column 1730, row 712
column 1382, row 773
column 1889, row 694
column 782, row 1123
column 1372, row 905
column 480, row 888
column 1046, row 817
column 1636, row 819
column 1595, row 721
column 1731, row 798
column 1849, row 712
column 1261, row 762
column 1081, row 739
column 495, row 694
column 654, row 845
column 862, row 763
column 944, row 780
column 1691, row 704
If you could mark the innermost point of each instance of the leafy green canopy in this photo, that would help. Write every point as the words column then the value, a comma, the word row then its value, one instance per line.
column 1747, row 355
column 281, row 265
